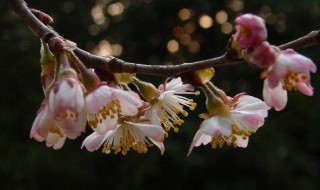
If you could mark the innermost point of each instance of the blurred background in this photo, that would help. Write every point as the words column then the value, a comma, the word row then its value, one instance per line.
column 284, row 154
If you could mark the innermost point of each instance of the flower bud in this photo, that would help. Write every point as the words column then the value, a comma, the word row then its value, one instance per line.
column 124, row 78
column 250, row 30
column 147, row 90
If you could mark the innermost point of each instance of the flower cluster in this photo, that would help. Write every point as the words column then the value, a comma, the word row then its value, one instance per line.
column 284, row 69
column 119, row 118
column 124, row 120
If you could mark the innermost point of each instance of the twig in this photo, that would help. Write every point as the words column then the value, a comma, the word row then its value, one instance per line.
column 109, row 63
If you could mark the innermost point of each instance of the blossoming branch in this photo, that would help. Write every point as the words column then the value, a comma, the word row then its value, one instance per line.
column 126, row 113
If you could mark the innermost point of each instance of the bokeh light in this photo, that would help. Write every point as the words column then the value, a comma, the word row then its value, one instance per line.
column 173, row 46
column 194, row 47
column 221, row 17
column 236, row 5
column 226, row 28
column 105, row 48
column 205, row 21
column 184, row 14
column 98, row 15
column 115, row 9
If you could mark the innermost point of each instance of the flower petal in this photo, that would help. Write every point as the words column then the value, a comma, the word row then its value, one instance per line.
column 216, row 125
column 275, row 97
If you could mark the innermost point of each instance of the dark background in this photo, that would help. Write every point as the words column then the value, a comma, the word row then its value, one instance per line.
column 283, row 154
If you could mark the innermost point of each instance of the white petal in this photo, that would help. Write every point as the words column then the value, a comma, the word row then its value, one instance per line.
column 160, row 145
column 216, row 125
column 106, row 125
column 152, row 114
column 152, row 131
column 98, row 98
column 94, row 141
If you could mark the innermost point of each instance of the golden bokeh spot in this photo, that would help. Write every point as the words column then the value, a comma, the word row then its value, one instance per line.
column 205, row 21
column 221, row 17
column 173, row 46
column 184, row 14
column 226, row 28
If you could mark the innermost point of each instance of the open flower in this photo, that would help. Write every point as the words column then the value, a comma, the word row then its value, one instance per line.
column 250, row 30
column 165, row 108
column 233, row 124
column 126, row 136
column 290, row 71
column 106, row 103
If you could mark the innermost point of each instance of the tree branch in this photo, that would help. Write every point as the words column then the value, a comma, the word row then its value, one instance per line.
column 113, row 64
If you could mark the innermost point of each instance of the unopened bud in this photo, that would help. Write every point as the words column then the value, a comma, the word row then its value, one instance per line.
column 124, row 78
column 147, row 90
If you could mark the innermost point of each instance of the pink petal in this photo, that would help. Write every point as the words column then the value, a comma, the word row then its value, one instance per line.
column 273, row 79
column 98, row 98
column 240, row 142
column 275, row 97
column 305, row 89
column 198, row 139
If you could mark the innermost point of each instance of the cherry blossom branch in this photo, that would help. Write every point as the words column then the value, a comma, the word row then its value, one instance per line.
column 109, row 63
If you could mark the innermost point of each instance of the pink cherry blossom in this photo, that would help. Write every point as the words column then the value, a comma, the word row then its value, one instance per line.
column 106, row 103
column 66, row 103
column 290, row 71
column 45, row 128
column 126, row 136
column 250, row 30
column 262, row 55
column 246, row 114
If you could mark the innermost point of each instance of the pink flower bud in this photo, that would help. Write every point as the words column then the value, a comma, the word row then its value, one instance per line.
column 262, row 55
column 250, row 30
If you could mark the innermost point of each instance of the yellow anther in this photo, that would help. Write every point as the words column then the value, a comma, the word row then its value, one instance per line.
column 197, row 93
column 221, row 143
column 176, row 130
column 180, row 122
column 184, row 113
column 117, row 103
column 214, row 145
